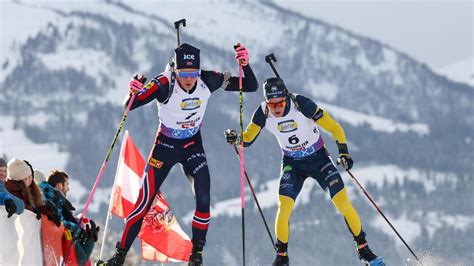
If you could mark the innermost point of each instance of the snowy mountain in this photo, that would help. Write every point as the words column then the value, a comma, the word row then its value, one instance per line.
column 460, row 71
column 64, row 74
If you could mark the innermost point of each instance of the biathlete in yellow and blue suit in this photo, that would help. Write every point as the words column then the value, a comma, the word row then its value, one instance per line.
column 294, row 120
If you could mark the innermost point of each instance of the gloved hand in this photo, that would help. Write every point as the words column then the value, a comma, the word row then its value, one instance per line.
column 232, row 137
column 241, row 54
column 82, row 236
column 346, row 161
column 10, row 207
column 136, row 84
column 37, row 212
column 92, row 230
column 344, row 158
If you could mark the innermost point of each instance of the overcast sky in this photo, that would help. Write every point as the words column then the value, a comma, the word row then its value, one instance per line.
column 434, row 32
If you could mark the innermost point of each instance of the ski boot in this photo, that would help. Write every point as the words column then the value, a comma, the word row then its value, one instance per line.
column 365, row 253
column 281, row 258
column 196, row 254
column 118, row 258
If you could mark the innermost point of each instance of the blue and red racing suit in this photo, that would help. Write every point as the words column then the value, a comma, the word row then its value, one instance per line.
column 179, row 141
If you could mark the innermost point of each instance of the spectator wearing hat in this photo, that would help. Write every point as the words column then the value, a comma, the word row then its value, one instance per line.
column 20, row 183
column 12, row 204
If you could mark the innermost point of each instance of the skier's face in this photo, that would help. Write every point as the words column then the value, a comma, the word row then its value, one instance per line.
column 277, row 106
column 187, row 77
column 3, row 173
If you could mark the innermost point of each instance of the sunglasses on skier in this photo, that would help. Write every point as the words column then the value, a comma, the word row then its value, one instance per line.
column 188, row 74
column 279, row 104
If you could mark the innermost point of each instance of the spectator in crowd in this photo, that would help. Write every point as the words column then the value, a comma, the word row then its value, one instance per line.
column 39, row 176
column 86, row 240
column 12, row 204
column 3, row 170
column 20, row 183
column 60, row 210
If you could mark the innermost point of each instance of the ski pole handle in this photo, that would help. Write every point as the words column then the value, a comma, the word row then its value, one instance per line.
column 180, row 22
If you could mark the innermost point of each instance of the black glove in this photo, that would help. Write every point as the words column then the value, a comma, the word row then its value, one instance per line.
column 232, row 137
column 92, row 230
column 10, row 207
column 346, row 161
column 82, row 236
column 37, row 212
column 344, row 158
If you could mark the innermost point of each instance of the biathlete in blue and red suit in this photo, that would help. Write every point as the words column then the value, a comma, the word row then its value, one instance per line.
column 182, row 98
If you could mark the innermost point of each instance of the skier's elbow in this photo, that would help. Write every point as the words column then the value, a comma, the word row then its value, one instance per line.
column 251, row 86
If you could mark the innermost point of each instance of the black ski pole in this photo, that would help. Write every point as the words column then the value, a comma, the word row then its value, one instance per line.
column 176, row 26
column 383, row 215
column 241, row 159
column 256, row 201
